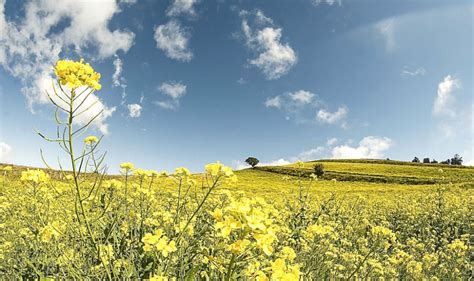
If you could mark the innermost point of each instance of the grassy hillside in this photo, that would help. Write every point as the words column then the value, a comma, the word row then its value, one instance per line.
column 383, row 171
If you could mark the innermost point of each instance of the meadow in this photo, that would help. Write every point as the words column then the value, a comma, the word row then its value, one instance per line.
column 360, row 220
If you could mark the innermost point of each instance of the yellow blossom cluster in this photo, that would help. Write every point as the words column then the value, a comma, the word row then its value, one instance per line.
column 75, row 74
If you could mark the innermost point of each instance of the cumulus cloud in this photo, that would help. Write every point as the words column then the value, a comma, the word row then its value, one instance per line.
column 175, row 91
column 443, row 104
column 275, row 58
column 369, row 147
column 179, row 7
column 134, row 110
column 5, row 151
column 325, row 116
column 31, row 45
column 173, row 39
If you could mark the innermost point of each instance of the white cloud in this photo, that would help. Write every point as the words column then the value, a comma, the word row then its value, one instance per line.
column 135, row 110
column 331, row 141
column 444, row 101
column 116, row 77
column 325, row 116
column 173, row 40
column 328, row 2
column 174, row 90
column 273, row 102
column 311, row 154
column 182, row 7
column 275, row 58
column 415, row 72
column 301, row 96
column 386, row 28
column 29, row 47
column 301, row 105
column 369, row 147
column 5, row 151
column 469, row 163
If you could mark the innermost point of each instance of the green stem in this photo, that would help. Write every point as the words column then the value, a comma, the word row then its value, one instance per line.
column 76, row 184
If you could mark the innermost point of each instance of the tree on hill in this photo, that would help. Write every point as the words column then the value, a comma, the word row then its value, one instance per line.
column 456, row 160
column 447, row 161
column 434, row 161
column 426, row 160
column 252, row 161
column 319, row 170
column 415, row 160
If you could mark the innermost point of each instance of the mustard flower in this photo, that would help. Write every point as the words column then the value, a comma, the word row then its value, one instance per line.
column 91, row 140
column 75, row 74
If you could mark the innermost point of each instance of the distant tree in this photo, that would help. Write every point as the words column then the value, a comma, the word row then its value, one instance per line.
column 252, row 161
column 448, row 162
column 415, row 160
column 456, row 160
column 434, row 161
column 319, row 170
column 426, row 160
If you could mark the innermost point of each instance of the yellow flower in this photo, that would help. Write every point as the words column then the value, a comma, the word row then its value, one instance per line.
column 181, row 171
column 75, row 74
column 7, row 168
column 217, row 169
column 113, row 184
column 239, row 246
column 288, row 253
column 91, row 140
column 127, row 166
column 34, row 176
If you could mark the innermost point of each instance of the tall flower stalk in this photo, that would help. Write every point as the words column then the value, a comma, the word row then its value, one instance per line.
column 76, row 83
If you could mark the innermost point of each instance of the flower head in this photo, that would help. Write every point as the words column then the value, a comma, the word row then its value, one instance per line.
column 91, row 140
column 75, row 74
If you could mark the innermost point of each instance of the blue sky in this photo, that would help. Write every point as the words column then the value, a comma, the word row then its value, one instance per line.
column 188, row 82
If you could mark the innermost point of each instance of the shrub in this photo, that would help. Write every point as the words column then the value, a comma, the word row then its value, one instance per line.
column 319, row 170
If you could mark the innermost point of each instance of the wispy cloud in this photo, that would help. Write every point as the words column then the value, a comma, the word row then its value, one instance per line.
column 414, row 72
column 301, row 105
column 173, row 39
column 179, row 7
column 275, row 58
column 175, row 91
column 386, row 28
column 327, row 2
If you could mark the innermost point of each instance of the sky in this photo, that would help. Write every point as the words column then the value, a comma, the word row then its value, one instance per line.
column 188, row 82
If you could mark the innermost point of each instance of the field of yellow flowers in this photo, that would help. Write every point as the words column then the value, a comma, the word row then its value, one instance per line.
column 253, row 224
